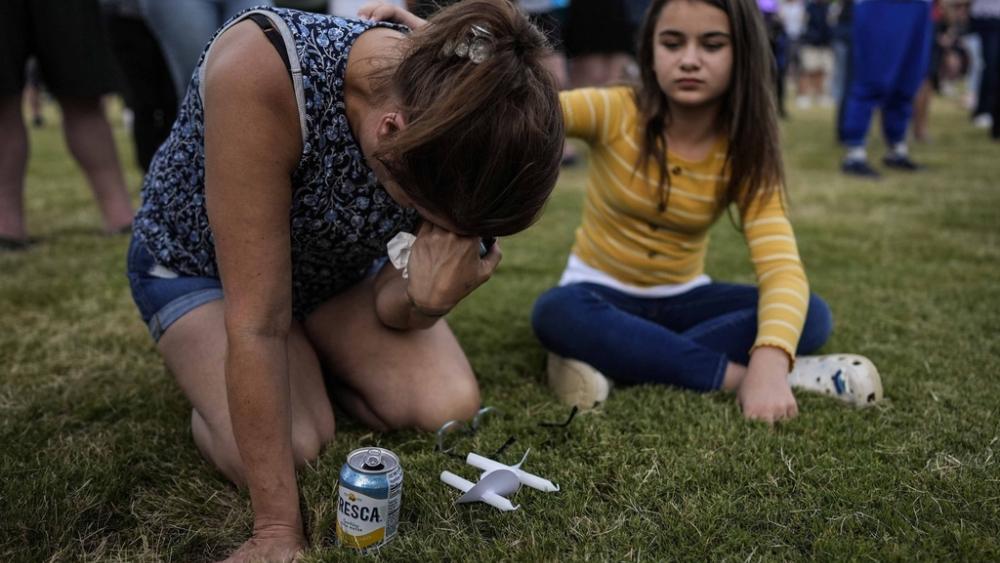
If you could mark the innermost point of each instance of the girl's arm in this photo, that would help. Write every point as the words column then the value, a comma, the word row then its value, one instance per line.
column 252, row 144
column 764, row 394
column 594, row 114
column 443, row 269
column 781, row 310
column 382, row 11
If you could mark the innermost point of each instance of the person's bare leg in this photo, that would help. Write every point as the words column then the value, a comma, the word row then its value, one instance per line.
column 921, row 111
column 34, row 96
column 194, row 348
column 89, row 138
column 388, row 378
column 13, row 163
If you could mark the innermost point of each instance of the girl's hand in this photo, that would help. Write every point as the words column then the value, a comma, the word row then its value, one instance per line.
column 270, row 544
column 381, row 11
column 764, row 394
column 445, row 267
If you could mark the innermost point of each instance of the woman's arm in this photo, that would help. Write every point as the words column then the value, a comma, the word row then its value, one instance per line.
column 443, row 269
column 252, row 144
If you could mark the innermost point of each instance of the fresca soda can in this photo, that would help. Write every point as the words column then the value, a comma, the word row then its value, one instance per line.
column 371, row 490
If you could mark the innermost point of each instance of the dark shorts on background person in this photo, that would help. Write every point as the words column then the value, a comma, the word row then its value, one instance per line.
column 599, row 28
column 162, row 296
column 66, row 36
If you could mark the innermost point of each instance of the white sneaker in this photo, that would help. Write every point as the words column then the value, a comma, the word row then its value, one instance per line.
column 848, row 377
column 982, row 121
column 576, row 383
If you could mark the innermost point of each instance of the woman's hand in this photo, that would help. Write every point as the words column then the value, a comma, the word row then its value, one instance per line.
column 381, row 11
column 445, row 267
column 275, row 543
column 764, row 394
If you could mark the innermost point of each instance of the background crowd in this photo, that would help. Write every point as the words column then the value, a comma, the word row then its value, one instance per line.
column 855, row 56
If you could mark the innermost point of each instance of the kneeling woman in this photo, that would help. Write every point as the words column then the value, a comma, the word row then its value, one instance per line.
column 304, row 144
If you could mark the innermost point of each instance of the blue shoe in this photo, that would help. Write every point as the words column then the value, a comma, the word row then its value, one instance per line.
column 859, row 168
column 900, row 162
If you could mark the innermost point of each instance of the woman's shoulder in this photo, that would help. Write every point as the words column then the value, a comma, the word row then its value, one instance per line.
column 241, row 55
column 245, row 76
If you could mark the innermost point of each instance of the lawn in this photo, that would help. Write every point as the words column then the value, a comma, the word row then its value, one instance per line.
column 97, row 461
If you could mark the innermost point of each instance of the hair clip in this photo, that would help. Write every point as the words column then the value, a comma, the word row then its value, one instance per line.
column 477, row 46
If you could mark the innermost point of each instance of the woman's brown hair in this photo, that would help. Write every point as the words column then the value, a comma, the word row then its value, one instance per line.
column 748, row 115
column 483, row 141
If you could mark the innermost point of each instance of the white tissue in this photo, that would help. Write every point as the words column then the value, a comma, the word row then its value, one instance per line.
column 398, row 250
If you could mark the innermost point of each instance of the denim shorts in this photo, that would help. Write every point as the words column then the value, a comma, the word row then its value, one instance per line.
column 163, row 296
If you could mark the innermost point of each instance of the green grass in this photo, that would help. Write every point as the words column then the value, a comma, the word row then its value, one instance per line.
column 97, row 462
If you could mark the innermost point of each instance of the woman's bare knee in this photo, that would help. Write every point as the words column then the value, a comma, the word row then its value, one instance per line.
column 458, row 399
column 220, row 451
column 309, row 437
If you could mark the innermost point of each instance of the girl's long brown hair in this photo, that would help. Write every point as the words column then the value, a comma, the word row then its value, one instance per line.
column 749, row 115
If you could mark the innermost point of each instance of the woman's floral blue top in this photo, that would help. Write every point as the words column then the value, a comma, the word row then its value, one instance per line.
column 341, row 217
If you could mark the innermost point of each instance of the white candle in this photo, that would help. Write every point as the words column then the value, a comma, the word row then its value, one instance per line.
column 533, row 481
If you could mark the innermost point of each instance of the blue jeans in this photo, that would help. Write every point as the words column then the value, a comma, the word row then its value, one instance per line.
column 684, row 340
column 184, row 28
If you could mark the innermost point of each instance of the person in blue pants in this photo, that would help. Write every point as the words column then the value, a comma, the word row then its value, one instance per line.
column 891, row 44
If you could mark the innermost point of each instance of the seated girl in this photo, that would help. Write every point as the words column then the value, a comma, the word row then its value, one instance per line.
column 696, row 137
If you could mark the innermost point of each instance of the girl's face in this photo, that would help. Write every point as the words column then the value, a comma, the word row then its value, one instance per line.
column 692, row 53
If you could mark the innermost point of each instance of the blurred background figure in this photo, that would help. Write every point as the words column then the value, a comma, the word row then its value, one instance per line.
column 890, row 51
column 843, row 15
column 816, row 56
column 985, row 24
column 314, row 6
column 792, row 14
column 550, row 17
column 779, row 49
column 950, row 61
column 69, row 41
column 600, row 41
column 183, row 28
column 33, row 92
column 148, row 88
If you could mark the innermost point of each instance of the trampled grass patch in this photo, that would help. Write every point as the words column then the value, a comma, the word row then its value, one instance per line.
column 97, row 462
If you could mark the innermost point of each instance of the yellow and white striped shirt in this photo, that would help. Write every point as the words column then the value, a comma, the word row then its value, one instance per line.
column 624, row 235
